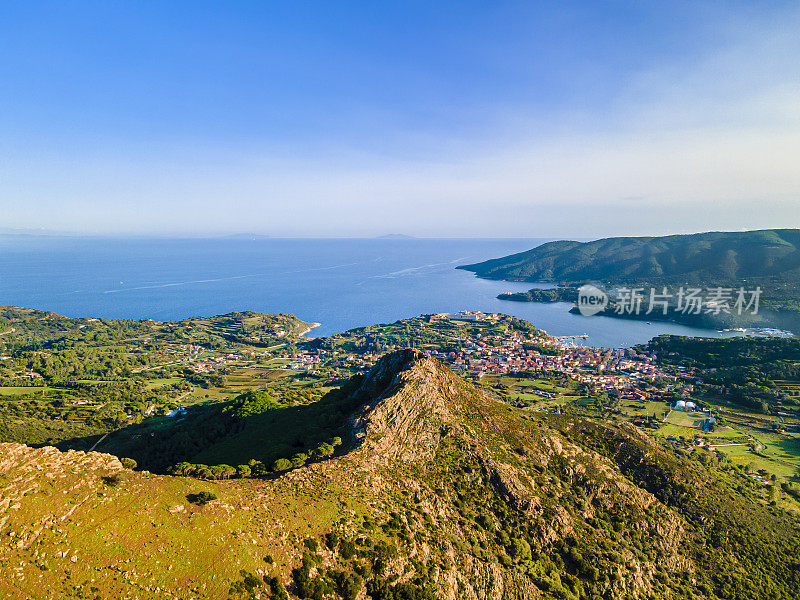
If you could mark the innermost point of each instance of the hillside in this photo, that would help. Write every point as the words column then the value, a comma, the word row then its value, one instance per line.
column 26, row 329
column 768, row 260
column 703, row 258
column 70, row 381
column 440, row 492
column 753, row 373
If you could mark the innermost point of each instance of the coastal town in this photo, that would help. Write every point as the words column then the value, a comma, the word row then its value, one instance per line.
column 486, row 345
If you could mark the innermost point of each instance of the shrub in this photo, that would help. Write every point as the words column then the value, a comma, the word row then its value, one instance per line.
column 347, row 549
column 112, row 480
column 332, row 540
column 348, row 585
column 276, row 587
column 128, row 463
column 306, row 587
column 201, row 498
column 520, row 549
column 246, row 587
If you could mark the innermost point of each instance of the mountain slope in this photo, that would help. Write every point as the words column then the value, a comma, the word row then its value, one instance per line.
column 444, row 493
column 698, row 258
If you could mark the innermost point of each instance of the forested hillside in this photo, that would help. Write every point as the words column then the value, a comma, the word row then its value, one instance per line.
column 703, row 258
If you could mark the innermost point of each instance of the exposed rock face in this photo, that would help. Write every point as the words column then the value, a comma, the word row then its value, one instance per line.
column 24, row 458
column 27, row 470
column 408, row 398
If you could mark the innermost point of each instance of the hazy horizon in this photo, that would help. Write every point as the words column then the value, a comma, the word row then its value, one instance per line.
column 44, row 233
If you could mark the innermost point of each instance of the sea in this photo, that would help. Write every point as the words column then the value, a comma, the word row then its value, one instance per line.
column 339, row 283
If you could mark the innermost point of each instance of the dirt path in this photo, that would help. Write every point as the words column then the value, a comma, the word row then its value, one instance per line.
column 98, row 442
column 182, row 396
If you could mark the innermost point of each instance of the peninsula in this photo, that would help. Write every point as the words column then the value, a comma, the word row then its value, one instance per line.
column 768, row 260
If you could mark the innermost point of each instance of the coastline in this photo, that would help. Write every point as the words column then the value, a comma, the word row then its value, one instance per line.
column 311, row 327
column 766, row 319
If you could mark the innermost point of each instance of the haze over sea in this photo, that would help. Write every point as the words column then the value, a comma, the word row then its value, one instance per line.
column 340, row 283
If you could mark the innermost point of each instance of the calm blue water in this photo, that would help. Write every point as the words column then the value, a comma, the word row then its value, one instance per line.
column 339, row 283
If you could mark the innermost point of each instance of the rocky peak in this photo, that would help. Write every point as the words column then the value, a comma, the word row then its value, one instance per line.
column 409, row 401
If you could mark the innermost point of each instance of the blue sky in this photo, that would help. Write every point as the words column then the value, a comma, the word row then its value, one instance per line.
column 576, row 119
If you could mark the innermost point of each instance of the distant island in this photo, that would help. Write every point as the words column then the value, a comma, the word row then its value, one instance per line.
column 769, row 259
column 396, row 236
column 247, row 236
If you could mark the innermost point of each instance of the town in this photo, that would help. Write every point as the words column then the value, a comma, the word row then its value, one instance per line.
column 484, row 344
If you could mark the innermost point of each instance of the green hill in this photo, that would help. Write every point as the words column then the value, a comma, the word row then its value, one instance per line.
column 441, row 493
column 699, row 258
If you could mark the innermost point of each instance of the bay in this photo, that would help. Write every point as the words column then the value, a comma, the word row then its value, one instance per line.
column 340, row 283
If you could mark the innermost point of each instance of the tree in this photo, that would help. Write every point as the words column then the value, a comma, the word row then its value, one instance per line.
column 281, row 464
column 324, row 450
column 257, row 468
column 299, row 459
column 182, row 468
column 222, row 472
